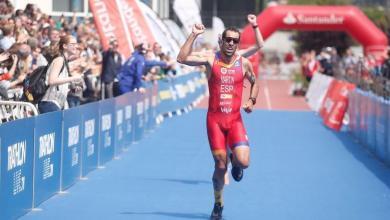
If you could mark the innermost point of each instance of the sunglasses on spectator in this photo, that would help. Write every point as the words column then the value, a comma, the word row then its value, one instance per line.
column 230, row 39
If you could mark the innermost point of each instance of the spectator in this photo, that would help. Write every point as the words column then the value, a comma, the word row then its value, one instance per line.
column 8, row 64
column 37, row 58
column 111, row 65
column 31, row 37
column 130, row 75
column 312, row 65
column 59, row 77
column 324, row 58
column 8, row 39
column 52, row 44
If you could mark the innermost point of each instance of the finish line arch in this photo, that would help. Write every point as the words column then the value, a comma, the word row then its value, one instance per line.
column 319, row 18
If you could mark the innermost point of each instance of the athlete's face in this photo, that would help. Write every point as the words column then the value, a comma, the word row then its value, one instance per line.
column 230, row 43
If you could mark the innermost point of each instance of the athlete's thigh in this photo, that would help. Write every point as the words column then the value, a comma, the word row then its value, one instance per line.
column 217, row 138
column 236, row 136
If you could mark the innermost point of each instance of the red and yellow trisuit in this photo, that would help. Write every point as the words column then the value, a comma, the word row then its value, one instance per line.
column 224, row 123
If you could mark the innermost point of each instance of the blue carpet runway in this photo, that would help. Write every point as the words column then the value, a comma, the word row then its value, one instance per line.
column 299, row 170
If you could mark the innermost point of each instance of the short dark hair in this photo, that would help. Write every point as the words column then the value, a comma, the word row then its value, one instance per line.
column 139, row 46
column 233, row 29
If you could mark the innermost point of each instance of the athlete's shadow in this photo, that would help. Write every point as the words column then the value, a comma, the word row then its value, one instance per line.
column 171, row 214
column 361, row 153
column 189, row 182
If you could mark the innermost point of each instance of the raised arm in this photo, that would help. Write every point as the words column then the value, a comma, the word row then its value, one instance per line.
column 259, row 38
column 185, row 55
column 254, row 90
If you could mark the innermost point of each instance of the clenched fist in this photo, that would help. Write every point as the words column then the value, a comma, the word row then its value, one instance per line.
column 198, row 29
column 252, row 19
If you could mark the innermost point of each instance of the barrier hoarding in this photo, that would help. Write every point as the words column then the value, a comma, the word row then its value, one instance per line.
column 381, row 128
column 336, row 104
column 387, row 111
column 47, row 162
column 317, row 90
column 71, row 143
column 120, row 125
column 154, row 104
column 363, row 116
column 352, row 97
column 107, row 130
column 16, row 165
column 356, row 106
column 371, row 122
column 166, row 96
column 71, row 147
column 129, row 119
column 139, row 117
column 147, row 108
column 90, row 137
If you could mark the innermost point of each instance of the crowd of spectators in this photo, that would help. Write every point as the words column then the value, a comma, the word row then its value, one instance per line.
column 71, row 50
column 30, row 38
column 368, row 72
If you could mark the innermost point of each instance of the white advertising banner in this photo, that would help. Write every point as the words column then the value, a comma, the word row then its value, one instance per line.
column 318, row 87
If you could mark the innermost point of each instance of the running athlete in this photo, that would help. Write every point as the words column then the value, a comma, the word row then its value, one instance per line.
column 226, row 73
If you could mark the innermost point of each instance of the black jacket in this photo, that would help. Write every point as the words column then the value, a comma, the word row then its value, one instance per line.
column 110, row 67
column 386, row 68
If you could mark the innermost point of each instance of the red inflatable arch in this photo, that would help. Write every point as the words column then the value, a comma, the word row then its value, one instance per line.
column 319, row 18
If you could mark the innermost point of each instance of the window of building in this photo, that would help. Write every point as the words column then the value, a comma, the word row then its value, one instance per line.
column 68, row 5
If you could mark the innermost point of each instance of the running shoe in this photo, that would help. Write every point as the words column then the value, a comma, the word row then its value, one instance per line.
column 237, row 172
column 217, row 212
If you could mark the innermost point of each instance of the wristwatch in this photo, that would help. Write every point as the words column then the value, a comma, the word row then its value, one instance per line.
column 253, row 100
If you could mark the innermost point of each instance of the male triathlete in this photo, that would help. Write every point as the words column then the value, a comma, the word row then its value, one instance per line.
column 226, row 73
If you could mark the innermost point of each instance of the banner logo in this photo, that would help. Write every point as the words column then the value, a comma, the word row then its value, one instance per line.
column 291, row 19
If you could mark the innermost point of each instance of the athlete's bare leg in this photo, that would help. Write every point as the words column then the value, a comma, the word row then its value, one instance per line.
column 241, row 156
column 220, row 159
column 240, row 161
column 228, row 162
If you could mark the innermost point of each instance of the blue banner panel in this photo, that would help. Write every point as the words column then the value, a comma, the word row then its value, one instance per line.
column 120, row 125
column 147, row 109
column 357, row 106
column 352, row 112
column 153, row 107
column 107, row 130
column 47, row 164
column 381, row 128
column 71, row 148
column 17, row 159
column 167, row 96
column 139, row 117
column 363, row 117
column 177, row 93
column 129, row 121
column 90, row 137
column 387, row 110
column 371, row 123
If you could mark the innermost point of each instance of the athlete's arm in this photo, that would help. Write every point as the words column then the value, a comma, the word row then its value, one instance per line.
column 185, row 55
column 259, row 38
column 254, row 90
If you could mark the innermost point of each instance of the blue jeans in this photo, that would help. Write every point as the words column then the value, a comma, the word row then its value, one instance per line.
column 73, row 101
column 44, row 107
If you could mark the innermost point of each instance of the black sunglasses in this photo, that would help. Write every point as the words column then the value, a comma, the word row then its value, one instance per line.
column 229, row 39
